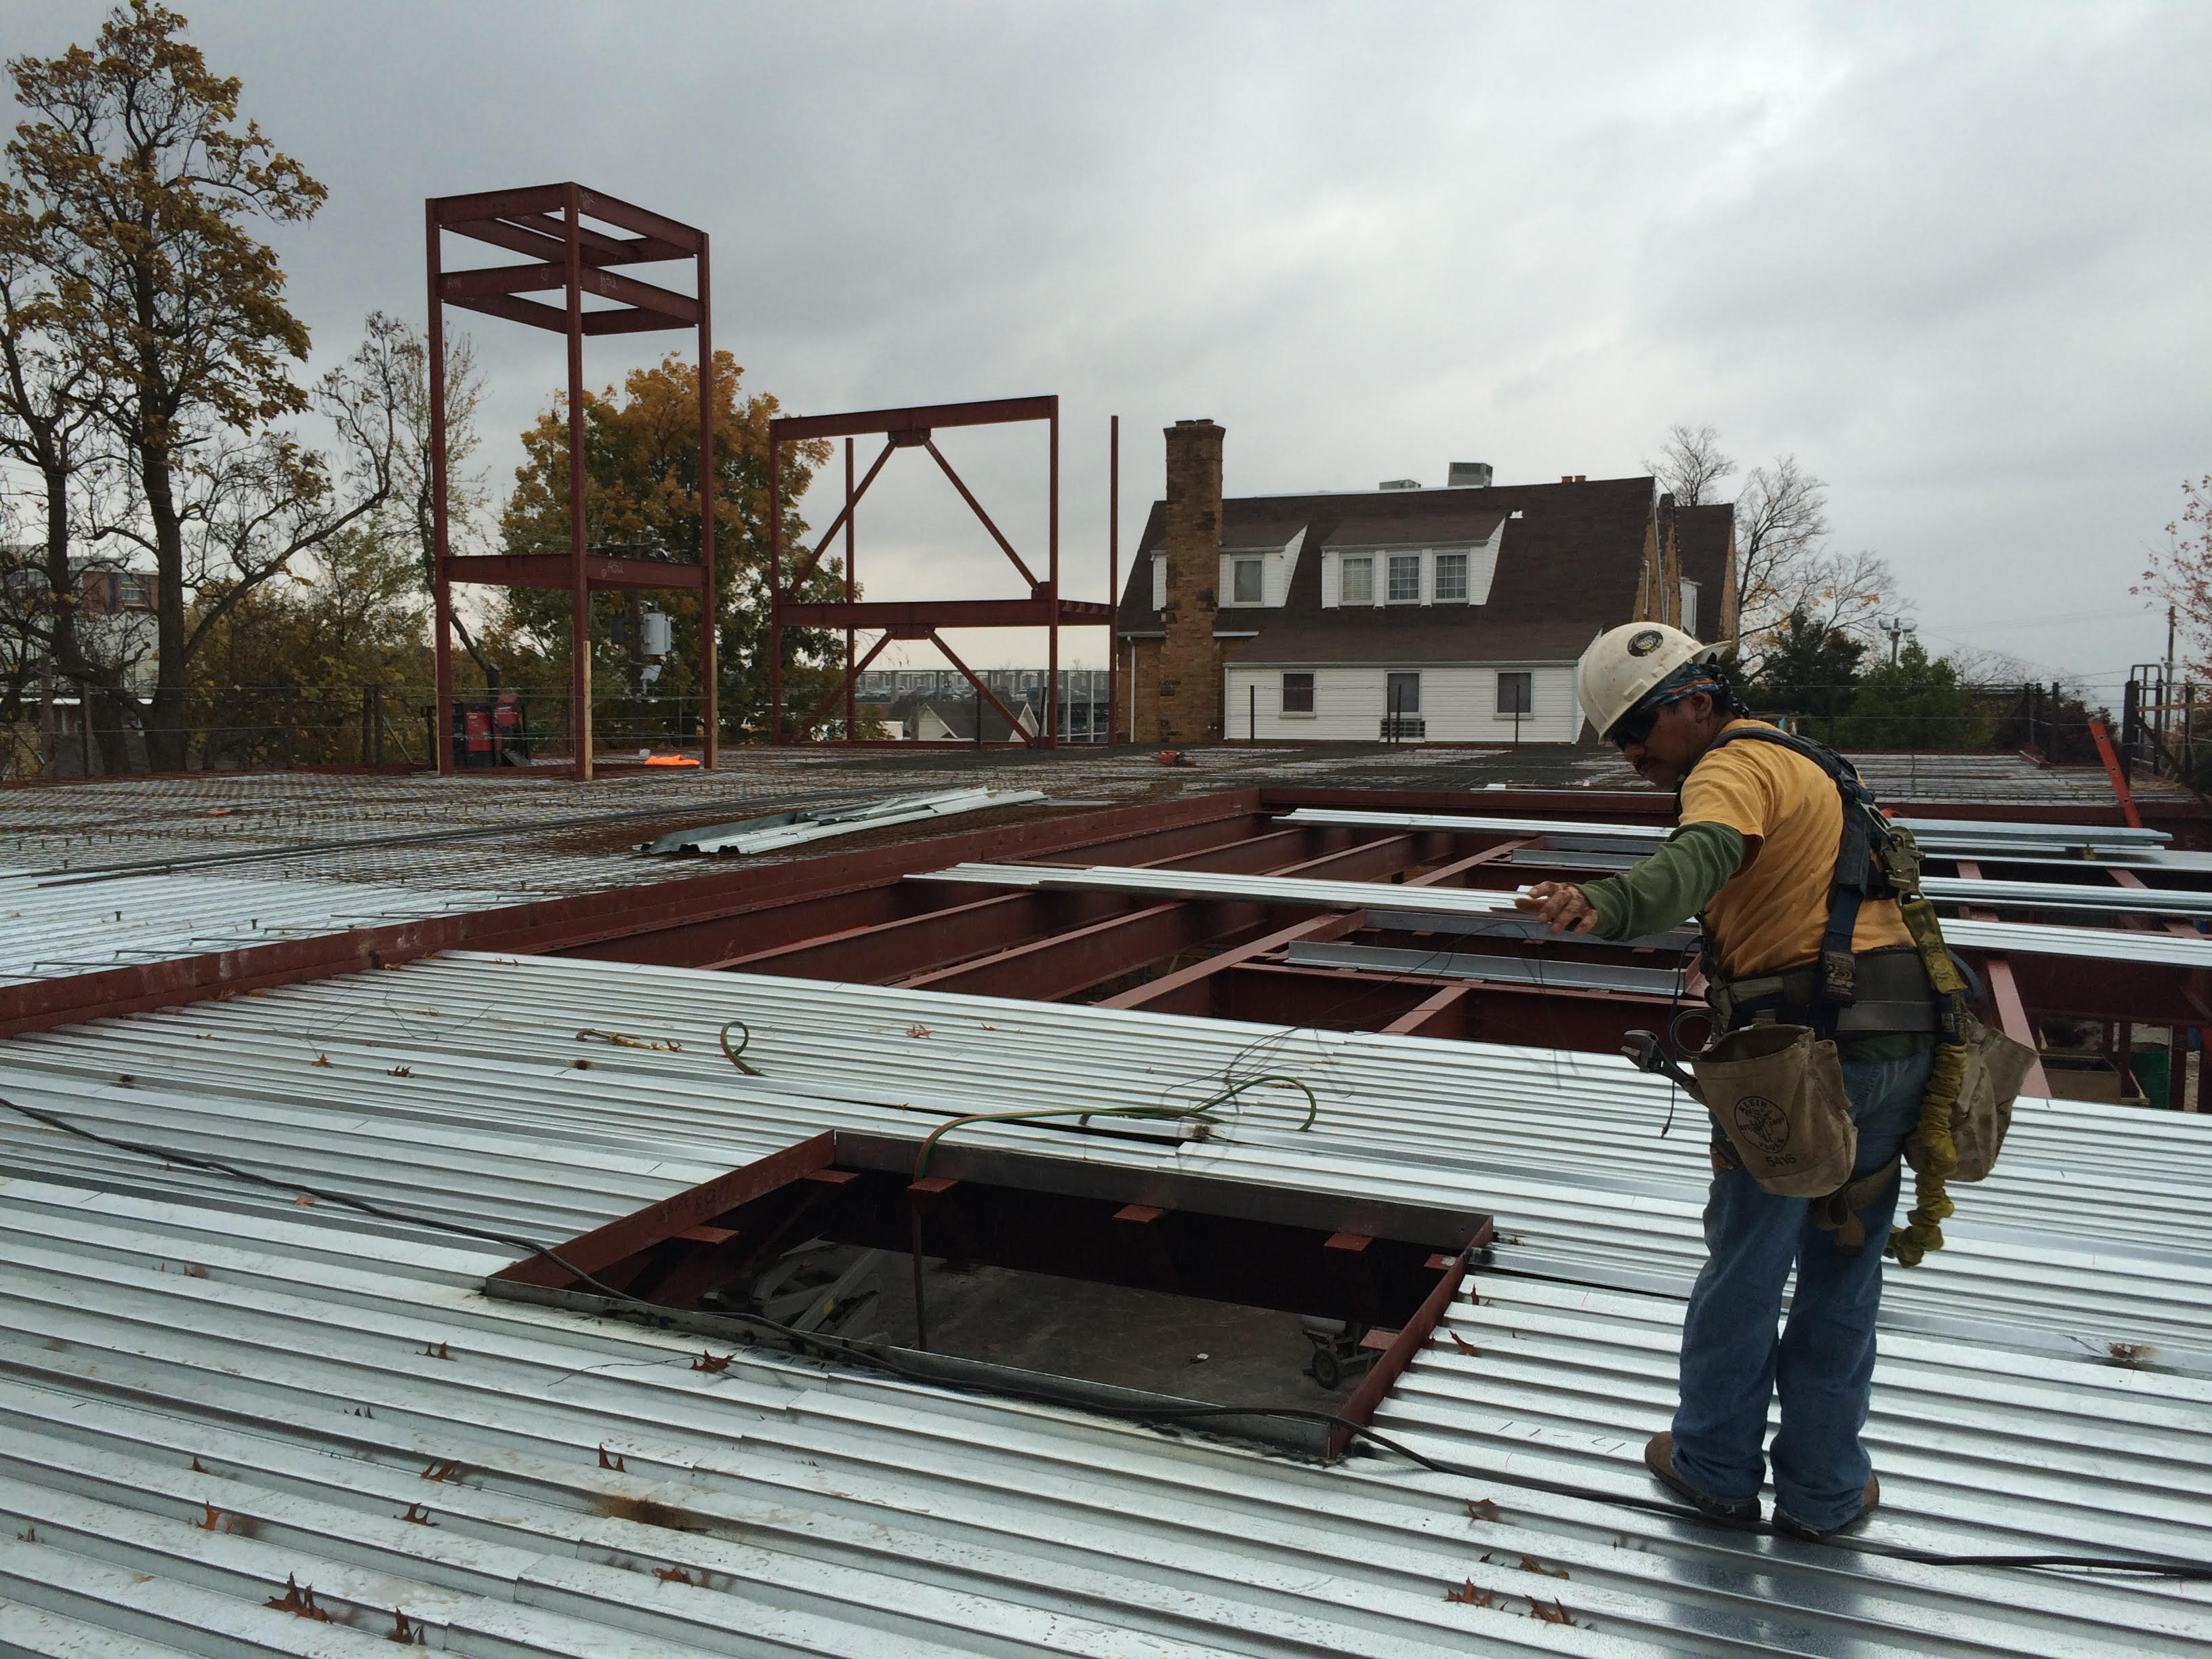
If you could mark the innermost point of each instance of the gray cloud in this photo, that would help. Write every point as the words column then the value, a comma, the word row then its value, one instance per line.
column 1952, row 258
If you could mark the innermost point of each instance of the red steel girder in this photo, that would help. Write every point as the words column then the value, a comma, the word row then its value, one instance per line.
column 788, row 429
column 1046, row 970
column 555, row 570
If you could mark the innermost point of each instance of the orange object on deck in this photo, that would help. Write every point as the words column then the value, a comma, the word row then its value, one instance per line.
column 670, row 760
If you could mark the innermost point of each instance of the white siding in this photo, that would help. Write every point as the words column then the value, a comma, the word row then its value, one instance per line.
column 1459, row 702
column 1689, row 619
column 1159, row 581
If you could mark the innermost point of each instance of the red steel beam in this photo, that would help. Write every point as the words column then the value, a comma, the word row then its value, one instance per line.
column 1441, row 1015
column 2004, row 992
column 917, row 617
column 680, row 922
column 450, row 210
column 922, row 418
column 896, row 950
column 843, row 521
column 984, row 691
column 1047, row 969
column 605, row 1246
column 1189, row 990
column 555, row 570
column 968, row 495
column 459, row 287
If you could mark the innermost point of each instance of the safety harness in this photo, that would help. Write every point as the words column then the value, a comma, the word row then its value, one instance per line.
column 1874, row 860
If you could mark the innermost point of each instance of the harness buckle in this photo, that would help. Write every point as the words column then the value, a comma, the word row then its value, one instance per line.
column 1838, row 977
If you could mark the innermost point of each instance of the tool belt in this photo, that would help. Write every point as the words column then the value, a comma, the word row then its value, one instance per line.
column 1773, row 1080
column 1891, row 994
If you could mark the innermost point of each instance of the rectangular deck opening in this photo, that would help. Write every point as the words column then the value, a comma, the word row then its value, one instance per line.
column 1088, row 1283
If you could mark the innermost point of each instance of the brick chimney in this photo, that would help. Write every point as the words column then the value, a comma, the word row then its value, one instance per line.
column 1190, row 658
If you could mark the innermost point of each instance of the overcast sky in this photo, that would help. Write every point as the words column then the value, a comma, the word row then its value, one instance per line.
column 1954, row 258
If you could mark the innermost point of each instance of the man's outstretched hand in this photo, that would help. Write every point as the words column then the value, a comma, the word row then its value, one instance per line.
column 1559, row 905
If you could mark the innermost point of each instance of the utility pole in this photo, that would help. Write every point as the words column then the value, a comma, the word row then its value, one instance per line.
column 1897, row 628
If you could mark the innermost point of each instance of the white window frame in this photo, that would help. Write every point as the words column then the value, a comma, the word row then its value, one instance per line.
column 1365, row 564
column 1312, row 711
column 1527, row 676
column 1463, row 560
column 1257, row 566
column 1413, row 674
column 1393, row 564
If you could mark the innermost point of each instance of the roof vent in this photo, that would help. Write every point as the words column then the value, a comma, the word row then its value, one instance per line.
column 1400, row 483
column 1468, row 474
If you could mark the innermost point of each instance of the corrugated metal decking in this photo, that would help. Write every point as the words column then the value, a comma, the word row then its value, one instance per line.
column 2031, row 938
column 1946, row 836
column 208, row 1390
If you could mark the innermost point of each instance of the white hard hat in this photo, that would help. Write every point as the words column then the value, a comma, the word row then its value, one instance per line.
column 1625, row 665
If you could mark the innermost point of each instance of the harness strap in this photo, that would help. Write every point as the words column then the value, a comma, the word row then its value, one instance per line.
column 1837, row 1212
column 1857, row 876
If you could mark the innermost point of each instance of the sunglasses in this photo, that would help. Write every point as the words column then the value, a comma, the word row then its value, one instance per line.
column 1634, row 726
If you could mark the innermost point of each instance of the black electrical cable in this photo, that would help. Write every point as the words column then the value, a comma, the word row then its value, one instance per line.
column 876, row 1354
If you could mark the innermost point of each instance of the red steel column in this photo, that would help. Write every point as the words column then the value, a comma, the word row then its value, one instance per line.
column 775, row 591
column 441, row 594
column 849, row 590
column 709, row 606
column 1052, row 607
column 579, row 608
column 1113, row 578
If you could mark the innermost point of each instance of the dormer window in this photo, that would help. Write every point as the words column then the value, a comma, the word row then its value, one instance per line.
column 1451, row 578
column 1405, row 579
column 1357, row 582
column 1247, row 581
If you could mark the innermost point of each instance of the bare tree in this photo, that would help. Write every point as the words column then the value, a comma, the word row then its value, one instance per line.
column 1781, row 526
column 1840, row 592
column 243, row 509
column 467, row 492
column 1691, row 467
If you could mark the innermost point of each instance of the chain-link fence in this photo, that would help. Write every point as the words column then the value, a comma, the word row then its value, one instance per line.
column 81, row 732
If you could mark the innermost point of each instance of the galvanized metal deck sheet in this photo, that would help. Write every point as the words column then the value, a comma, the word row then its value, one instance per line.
column 53, row 928
column 2025, row 937
column 208, row 1390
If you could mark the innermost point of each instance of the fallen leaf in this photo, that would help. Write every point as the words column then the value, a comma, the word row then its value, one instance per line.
column 1482, row 1509
column 1467, row 1595
column 320, row 1060
column 1464, row 1345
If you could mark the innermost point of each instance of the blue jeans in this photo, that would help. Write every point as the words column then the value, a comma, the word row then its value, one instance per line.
column 1822, row 1363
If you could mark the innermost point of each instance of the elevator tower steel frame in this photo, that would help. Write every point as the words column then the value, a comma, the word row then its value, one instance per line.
column 547, row 222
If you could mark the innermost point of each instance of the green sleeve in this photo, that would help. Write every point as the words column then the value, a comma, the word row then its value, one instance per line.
column 1669, row 887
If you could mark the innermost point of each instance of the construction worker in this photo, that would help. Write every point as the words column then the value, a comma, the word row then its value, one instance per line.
column 1756, row 859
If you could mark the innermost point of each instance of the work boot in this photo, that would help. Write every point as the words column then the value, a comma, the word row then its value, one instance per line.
column 1790, row 1526
column 1659, row 1458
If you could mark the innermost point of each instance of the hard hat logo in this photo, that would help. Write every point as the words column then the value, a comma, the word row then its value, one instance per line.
column 1646, row 642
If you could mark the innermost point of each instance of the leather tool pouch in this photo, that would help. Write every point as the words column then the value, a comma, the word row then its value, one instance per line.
column 1778, row 1096
column 1996, row 1068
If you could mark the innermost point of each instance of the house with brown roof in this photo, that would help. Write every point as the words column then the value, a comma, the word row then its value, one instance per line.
column 1451, row 615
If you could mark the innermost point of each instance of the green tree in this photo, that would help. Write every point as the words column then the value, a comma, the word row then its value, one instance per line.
column 641, row 486
column 281, row 666
column 143, row 183
column 1920, row 703
column 1809, row 669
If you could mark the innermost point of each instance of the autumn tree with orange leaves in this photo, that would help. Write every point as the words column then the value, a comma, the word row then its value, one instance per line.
column 641, row 486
